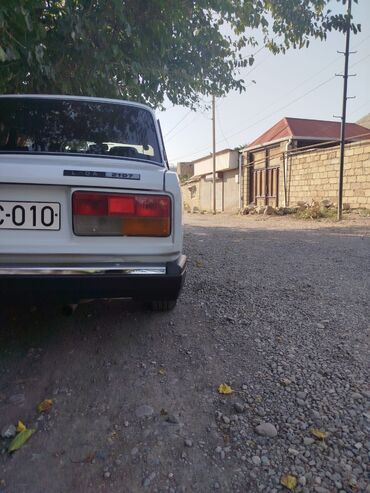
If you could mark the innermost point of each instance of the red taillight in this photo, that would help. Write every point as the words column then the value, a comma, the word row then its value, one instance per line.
column 152, row 206
column 120, row 206
column 99, row 214
column 89, row 204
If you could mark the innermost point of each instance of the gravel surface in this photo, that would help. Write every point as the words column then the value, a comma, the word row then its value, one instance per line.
column 276, row 308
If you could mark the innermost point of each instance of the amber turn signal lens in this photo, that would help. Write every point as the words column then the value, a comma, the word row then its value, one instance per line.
column 146, row 226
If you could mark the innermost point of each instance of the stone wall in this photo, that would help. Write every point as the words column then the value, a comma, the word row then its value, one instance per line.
column 313, row 175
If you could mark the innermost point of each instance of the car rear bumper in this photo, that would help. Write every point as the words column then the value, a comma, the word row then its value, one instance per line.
column 162, row 281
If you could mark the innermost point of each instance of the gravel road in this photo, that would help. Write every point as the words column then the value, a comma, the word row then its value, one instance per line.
column 274, row 307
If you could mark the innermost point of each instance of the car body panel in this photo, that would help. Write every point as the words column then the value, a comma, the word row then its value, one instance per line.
column 54, row 177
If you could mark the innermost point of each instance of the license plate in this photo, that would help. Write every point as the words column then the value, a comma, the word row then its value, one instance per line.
column 29, row 215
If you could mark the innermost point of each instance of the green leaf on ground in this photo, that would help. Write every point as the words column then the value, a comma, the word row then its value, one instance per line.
column 19, row 440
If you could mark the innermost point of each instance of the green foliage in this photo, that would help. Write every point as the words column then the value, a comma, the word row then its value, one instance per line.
column 146, row 50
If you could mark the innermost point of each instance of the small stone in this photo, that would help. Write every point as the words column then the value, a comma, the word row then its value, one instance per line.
column 218, row 449
column 144, row 411
column 293, row 451
column 107, row 474
column 148, row 480
column 188, row 442
column 134, row 451
column 301, row 403
column 239, row 407
column 172, row 419
column 301, row 395
column 285, row 382
column 226, row 420
column 308, row 441
column 320, row 326
column 356, row 396
column 126, row 424
column 302, row 480
column 8, row 431
column 266, row 430
column 265, row 460
column 170, row 476
column 256, row 460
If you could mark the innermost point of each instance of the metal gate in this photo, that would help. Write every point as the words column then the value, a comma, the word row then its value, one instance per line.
column 266, row 186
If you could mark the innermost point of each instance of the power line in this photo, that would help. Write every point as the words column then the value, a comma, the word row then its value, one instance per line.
column 254, row 68
column 279, row 109
column 360, row 107
column 268, row 116
column 221, row 129
column 178, row 123
column 337, row 58
column 183, row 128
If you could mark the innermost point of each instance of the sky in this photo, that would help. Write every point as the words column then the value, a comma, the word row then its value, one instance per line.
column 299, row 84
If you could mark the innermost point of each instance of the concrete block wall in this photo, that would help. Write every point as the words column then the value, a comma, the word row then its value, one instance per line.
column 313, row 175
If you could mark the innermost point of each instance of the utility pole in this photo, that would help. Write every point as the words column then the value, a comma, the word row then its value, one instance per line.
column 344, row 110
column 214, row 154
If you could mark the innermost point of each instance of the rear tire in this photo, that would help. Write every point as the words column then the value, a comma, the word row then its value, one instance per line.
column 163, row 305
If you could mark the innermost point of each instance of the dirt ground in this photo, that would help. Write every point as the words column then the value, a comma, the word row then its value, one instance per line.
column 274, row 307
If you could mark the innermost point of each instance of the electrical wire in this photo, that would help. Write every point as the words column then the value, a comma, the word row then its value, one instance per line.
column 279, row 109
column 178, row 123
column 220, row 126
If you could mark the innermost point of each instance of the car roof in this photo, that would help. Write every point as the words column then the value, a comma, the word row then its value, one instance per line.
column 77, row 98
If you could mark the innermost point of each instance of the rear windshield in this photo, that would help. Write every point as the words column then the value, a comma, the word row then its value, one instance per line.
column 77, row 127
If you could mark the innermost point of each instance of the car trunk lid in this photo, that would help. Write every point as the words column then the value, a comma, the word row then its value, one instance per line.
column 82, row 171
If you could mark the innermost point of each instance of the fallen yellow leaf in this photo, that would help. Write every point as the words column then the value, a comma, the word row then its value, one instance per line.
column 20, row 439
column 162, row 371
column 21, row 427
column 289, row 481
column 223, row 388
column 198, row 263
column 321, row 435
column 44, row 406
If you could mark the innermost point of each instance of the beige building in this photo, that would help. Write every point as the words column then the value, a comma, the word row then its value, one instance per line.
column 198, row 191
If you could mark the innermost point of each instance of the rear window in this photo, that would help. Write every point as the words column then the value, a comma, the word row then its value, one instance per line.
column 77, row 127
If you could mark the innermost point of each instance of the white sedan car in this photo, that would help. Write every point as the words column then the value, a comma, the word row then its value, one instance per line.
column 88, row 206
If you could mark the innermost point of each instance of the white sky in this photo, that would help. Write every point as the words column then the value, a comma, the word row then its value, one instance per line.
column 286, row 85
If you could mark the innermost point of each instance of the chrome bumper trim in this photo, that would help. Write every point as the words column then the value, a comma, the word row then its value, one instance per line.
column 133, row 270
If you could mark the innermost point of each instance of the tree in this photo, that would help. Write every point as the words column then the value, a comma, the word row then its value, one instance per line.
column 146, row 50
